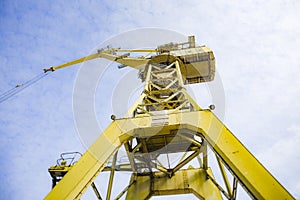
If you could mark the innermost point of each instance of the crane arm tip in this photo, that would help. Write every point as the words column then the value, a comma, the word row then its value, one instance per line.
column 49, row 69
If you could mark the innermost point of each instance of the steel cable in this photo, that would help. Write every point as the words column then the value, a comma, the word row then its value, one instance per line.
column 19, row 87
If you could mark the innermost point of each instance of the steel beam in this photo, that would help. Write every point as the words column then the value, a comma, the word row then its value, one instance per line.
column 187, row 181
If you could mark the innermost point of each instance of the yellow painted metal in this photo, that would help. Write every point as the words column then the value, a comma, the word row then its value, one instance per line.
column 136, row 63
column 135, row 50
column 251, row 174
column 224, row 175
column 111, row 177
column 59, row 171
column 183, row 182
column 163, row 89
column 75, row 182
column 132, row 62
column 74, row 62
column 96, row 191
column 166, row 120
column 197, row 63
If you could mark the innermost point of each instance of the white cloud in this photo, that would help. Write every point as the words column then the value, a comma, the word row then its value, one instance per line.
column 282, row 158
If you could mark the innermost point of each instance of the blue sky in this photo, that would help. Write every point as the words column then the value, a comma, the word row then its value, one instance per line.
column 256, row 44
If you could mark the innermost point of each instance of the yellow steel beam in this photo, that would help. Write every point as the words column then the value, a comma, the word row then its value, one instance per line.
column 136, row 63
column 205, row 159
column 75, row 182
column 185, row 161
column 132, row 181
column 96, row 191
column 111, row 177
column 136, row 50
column 82, row 174
column 74, row 62
column 224, row 175
column 250, row 173
column 183, row 182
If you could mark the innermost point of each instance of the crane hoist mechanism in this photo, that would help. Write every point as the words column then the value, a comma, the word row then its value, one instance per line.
column 166, row 121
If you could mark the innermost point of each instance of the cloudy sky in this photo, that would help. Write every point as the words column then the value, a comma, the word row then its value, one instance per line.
column 256, row 44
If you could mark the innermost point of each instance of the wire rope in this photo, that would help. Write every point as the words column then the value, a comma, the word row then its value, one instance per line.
column 20, row 87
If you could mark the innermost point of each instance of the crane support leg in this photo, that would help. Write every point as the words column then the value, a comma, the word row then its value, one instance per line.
column 252, row 175
column 257, row 181
column 82, row 174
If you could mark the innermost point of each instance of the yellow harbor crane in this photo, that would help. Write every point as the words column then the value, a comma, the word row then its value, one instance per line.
column 164, row 121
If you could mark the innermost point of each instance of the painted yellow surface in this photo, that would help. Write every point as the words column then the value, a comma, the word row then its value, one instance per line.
column 258, row 181
column 166, row 114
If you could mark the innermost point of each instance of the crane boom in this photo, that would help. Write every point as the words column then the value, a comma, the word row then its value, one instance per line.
column 110, row 55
